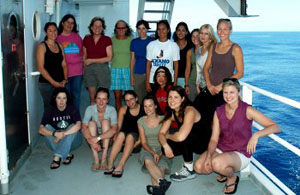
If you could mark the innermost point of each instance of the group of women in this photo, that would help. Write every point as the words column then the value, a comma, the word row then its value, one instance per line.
column 165, row 122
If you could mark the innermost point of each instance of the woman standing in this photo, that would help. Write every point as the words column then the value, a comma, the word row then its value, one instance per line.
column 128, row 133
column 60, row 125
column 191, row 71
column 182, row 37
column 72, row 44
column 97, row 52
column 162, row 52
column 138, row 59
column 151, row 156
column 51, row 64
column 232, row 143
column 192, row 136
column 120, row 71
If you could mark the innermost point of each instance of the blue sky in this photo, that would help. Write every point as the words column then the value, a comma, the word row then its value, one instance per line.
column 274, row 15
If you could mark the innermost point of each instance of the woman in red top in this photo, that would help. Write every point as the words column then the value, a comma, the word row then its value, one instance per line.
column 97, row 52
column 162, row 83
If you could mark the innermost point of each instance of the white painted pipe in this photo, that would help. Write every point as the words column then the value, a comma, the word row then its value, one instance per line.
column 57, row 6
column 3, row 151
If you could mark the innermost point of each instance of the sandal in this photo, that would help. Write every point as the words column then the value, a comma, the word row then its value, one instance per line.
column 95, row 167
column 221, row 178
column 68, row 159
column 235, row 184
column 56, row 163
column 109, row 171
column 117, row 174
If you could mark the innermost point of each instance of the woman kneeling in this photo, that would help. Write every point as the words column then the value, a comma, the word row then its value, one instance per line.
column 232, row 142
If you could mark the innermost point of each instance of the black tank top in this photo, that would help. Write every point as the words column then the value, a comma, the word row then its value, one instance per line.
column 53, row 65
column 182, row 61
column 130, row 122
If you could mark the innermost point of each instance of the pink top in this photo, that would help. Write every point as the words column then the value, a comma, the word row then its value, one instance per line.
column 72, row 45
column 236, row 132
column 97, row 50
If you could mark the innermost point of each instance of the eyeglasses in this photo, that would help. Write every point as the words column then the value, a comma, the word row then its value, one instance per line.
column 121, row 28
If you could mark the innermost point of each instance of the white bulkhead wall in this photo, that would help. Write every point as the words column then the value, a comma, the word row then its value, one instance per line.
column 111, row 14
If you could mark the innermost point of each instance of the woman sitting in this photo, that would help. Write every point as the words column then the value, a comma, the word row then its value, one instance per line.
column 232, row 143
column 127, row 122
column 99, row 123
column 60, row 125
column 151, row 156
column 191, row 137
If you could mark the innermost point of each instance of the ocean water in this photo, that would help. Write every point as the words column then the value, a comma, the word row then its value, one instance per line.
column 272, row 62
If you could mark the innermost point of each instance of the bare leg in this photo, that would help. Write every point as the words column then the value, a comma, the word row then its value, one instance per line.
column 105, row 127
column 128, row 147
column 92, row 92
column 226, row 164
column 154, row 171
column 92, row 126
column 199, row 164
column 116, row 148
column 118, row 99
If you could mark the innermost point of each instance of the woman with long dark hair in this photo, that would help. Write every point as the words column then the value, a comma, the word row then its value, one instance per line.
column 192, row 136
column 51, row 64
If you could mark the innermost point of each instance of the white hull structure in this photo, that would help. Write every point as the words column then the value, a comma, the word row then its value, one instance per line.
column 24, row 159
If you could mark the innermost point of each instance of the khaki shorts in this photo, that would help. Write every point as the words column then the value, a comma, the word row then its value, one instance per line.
column 96, row 75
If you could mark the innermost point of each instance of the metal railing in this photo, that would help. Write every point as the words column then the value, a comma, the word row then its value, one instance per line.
column 247, row 92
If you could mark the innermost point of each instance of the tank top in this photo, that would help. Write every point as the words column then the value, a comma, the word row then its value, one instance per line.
column 236, row 132
column 193, row 74
column 182, row 61
column 53, row 65
column 130, row 121
column 222, row 65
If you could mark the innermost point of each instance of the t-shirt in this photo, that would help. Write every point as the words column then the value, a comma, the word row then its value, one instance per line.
column 97, row 50
column 138, row 46
column 72, row 45
column 161, row 96
column 162, row 54
column 60, row 120
column 151, row 133
column 121, row 53
column 91, row 113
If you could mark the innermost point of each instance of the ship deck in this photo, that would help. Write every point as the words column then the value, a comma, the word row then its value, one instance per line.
column 35, row 177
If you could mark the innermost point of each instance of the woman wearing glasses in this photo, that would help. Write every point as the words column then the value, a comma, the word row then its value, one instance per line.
column 128, row 133
column 120, row 72
column 232, row 143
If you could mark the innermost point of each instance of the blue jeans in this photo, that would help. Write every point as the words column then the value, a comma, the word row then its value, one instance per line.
column 46, row 91
column 74, row 88
column 64, row 146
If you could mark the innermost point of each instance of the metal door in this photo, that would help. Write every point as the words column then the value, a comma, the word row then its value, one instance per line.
column 14, row 80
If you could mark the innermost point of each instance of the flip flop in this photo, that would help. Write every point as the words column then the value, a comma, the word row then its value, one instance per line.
column 117, row 174
column 68, row 159
column 109, row 171
column 235, row 184
column 54, row 162
column 221, row 178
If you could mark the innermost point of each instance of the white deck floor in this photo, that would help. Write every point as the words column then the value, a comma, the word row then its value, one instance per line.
column 36, row 178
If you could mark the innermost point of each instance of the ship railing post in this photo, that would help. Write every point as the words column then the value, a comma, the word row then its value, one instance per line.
column 247, row 97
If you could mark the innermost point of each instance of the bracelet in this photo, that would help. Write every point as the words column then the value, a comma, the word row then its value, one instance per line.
column 53, row 133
